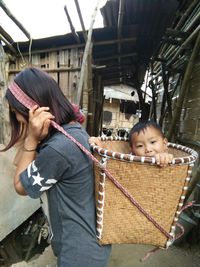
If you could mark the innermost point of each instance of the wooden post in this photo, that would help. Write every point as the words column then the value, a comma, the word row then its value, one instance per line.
column 86, row 52
column 4, row 125
column 183, row 90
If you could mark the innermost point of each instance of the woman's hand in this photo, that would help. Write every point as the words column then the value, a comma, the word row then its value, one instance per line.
column 163, row 159
column 39, row 122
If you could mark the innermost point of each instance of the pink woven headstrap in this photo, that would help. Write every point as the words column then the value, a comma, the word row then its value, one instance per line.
column 21, row 96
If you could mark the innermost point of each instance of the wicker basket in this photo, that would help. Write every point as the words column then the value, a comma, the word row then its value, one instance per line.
column 159, row 191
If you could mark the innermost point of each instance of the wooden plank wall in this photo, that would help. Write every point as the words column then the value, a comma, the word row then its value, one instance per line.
column 190, row 115
column 63, row 65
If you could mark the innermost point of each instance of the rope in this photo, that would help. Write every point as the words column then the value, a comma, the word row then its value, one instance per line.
column 29, row 103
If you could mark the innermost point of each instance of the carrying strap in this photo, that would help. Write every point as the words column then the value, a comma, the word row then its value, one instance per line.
column 29, row 103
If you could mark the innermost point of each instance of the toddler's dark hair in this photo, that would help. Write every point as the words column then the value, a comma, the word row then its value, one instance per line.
column 142, row 126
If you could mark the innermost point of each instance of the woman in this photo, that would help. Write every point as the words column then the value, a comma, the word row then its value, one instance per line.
column 53, row 163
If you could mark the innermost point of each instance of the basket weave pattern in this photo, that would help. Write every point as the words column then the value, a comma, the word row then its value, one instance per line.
column 160, row 191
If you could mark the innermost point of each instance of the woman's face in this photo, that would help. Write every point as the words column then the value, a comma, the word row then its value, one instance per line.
column 19, row 117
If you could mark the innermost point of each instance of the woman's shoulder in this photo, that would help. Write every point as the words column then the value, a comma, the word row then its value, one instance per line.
column 58, row 141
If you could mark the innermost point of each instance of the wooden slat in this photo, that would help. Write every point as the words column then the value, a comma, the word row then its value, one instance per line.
column 64, row 76
column 53, row 62
column 73, row 77
column 36, row 60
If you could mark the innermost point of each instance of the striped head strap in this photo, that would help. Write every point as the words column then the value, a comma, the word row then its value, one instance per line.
column 21, row 96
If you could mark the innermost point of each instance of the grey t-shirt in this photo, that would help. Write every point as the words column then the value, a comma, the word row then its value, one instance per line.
column 66, row 174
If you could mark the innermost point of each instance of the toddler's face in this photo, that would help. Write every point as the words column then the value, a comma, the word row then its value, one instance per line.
column 148, row 142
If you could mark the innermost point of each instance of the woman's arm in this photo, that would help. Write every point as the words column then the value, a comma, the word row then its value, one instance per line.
column 38, row 126
column 26, row 156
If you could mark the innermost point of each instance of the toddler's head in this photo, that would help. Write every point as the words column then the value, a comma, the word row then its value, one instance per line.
column 147, row 139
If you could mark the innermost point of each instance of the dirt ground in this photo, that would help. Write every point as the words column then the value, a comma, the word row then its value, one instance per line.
column 131, row 255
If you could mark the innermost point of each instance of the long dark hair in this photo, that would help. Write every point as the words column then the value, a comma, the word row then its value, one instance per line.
column 45, row 91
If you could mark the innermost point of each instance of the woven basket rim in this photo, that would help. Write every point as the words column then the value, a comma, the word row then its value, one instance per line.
column 193, row 155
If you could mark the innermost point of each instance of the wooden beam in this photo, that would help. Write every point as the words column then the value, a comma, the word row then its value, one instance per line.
column 12, row 17
column 74, row 33
column 116, row 57
column 98, row 43
column 107, row 69
column 63, row 69
column 115, row 41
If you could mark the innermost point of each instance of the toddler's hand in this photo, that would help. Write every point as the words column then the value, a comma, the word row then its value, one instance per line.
column 163, row 159
column 94, row 140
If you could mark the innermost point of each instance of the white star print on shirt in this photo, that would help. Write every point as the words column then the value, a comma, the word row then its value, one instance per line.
column 51, row 181
column 31, row 167
column 34, row 167
column 37, row 179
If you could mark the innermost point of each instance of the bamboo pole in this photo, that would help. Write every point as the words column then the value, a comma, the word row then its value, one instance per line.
column 6, row 35
column 11, row 48
column 179, row 50
column 184, row 88
column 120, row 17
column 90, row 124
column 85, row 97
column 10, row 15
column 86, row 52
column 186, row 13
column 74, row 33
column 81, row 20
column 184, row 45
column 168, row 50
column 120, row 22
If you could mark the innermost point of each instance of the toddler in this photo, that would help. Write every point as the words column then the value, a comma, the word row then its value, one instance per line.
column 147, row 139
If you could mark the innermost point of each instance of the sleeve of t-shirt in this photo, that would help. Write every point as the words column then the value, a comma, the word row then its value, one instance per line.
column 44, row 172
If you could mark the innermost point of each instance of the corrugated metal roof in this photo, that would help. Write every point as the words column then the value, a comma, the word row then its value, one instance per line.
column 129, row 39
